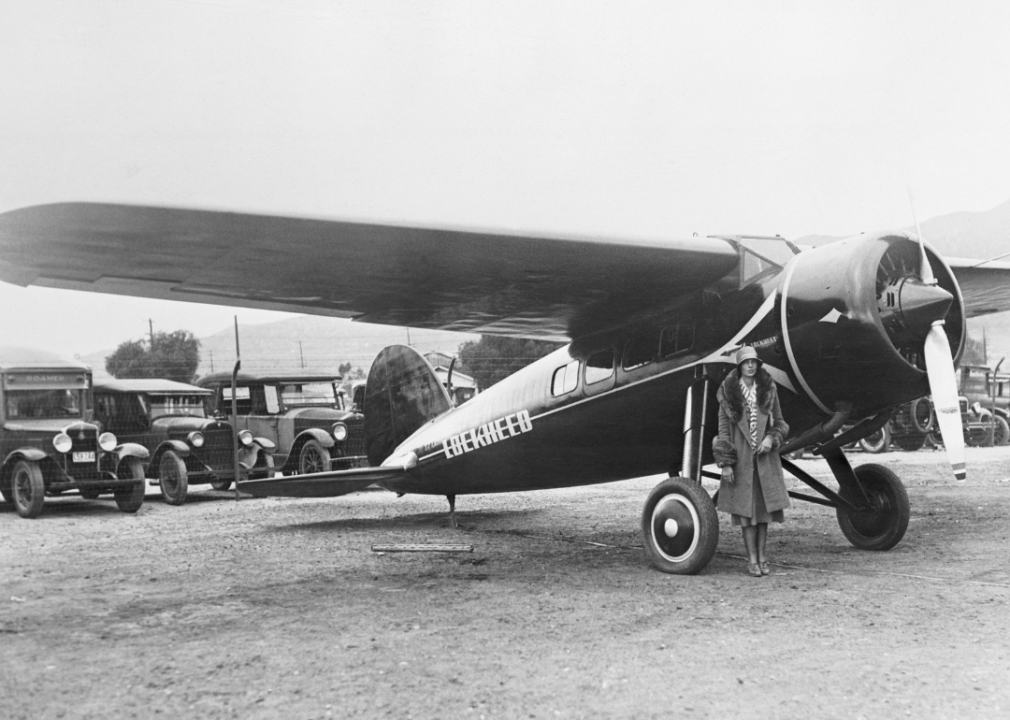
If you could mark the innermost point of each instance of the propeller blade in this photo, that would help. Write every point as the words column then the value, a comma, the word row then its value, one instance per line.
column 943, row 386
column 925, row 269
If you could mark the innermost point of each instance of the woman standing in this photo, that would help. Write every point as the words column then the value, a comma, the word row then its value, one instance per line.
column 751, row 428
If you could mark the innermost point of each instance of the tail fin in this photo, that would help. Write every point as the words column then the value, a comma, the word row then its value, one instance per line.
column 402, row 394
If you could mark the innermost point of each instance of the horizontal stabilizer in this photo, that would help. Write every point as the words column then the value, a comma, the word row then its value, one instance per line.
column 324, row 484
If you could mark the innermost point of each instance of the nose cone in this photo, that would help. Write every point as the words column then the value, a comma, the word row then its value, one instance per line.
column 922, row 305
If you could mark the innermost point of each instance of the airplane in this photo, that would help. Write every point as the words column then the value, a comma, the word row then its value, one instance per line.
column 848, row 330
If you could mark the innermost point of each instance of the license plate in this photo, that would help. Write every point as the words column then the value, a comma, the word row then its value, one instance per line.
column 83, row 457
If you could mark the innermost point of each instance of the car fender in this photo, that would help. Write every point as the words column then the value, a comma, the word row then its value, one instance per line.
column 26, row 453
column 132, row 450
column 178, row 446
column 318, row 434
column 265, row 443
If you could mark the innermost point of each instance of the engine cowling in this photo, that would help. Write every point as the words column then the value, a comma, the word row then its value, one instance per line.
column 854, row 318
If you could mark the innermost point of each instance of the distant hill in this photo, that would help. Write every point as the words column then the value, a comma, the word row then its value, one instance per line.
column 311, row 343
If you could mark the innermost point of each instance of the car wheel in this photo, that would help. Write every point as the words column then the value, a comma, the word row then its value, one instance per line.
column 921, row 412
column 1002, row 431
column 28, row 489
column 173, row 478
column 313, row 458
column 878, row 442
column 680, row 527
column 881, row 519
column 129, row 499
column 222, row 484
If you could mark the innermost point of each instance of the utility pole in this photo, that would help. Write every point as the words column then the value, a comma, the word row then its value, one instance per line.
column 150, row 325
column 212, row 361
column 300, row 355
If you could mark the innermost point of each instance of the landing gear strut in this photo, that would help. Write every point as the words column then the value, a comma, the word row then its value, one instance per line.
column 871, row 503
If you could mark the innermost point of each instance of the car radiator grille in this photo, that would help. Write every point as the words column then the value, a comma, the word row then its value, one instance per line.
column 355, row 443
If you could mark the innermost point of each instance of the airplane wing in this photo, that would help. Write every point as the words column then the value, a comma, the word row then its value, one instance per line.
column 446, row 279
column 324, row 484
column 985, row 286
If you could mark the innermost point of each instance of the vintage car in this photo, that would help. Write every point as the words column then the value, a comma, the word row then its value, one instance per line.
column 48, row 444
column 305, row 415
column 909, row 428
column 187, row 447
column 978, row 423
column 991, row 391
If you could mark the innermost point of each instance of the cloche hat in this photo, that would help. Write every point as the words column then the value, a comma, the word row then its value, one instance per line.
column 746, row 353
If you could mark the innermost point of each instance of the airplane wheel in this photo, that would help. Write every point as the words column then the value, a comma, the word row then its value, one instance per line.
column 173, row 477
column 28, row 489
column 1002, row 432
column 680, row 527
column 878, row 442
column 314, row 458
column 129, row 499
column 881, row 524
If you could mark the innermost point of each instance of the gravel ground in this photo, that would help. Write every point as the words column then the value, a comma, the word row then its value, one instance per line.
column 280, row 608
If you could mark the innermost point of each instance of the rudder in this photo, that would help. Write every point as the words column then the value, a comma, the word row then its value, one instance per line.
column 402, row 394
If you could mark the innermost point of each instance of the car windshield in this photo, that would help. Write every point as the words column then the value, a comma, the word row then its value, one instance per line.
column 176, row 405
column 315, row 393
column 43, row 404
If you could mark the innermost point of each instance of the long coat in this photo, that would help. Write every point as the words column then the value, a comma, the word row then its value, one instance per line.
column 733, row 446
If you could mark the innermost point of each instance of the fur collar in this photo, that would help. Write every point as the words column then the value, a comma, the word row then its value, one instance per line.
column 733, row 395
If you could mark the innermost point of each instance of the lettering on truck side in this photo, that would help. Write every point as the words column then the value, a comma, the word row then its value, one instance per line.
column 495, row 431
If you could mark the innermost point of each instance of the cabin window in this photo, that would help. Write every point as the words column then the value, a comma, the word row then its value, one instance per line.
column 600, row 366
column 243, row 402
column 639, row 351
column 677, row 338
column 566, row 379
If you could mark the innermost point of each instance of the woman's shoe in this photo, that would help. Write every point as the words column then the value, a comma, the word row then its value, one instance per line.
column 754, row 569
column 765, row 570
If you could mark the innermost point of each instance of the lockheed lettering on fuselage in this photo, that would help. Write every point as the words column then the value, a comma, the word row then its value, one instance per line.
column 488, row 434
column 848, row 330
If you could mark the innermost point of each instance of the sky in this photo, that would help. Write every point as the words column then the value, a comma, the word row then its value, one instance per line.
column 631, row 119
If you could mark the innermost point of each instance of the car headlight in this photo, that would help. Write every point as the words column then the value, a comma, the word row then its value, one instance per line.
column 107, row 441
column 195, row 439
column 245, row 437
column 63, row 443
column 340, row 431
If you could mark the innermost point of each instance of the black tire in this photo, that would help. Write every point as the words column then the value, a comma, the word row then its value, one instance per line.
column 921, row 412
column 878, row 442
column 222, row 484
column 910, row 443
column 881, row 524
column 264, row 467
column 129, row 499
column 1002, row 431
column 28, row 489
column 313, row 458
column 680, row 527
column 173, row 478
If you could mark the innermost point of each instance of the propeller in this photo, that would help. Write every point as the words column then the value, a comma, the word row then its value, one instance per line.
column 943, row 386
column 940, row 370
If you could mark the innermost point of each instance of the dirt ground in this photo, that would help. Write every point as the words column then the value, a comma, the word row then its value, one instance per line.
column 280, row 608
